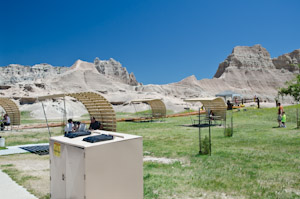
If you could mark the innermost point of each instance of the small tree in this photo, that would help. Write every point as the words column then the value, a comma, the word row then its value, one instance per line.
column 293, row 88
column 228, row 132
column 206, row 147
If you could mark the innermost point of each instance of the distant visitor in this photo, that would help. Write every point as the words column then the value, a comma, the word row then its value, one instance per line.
column 280, row 112
column 95, row 125
column 5, row 122
column 283, row 120
column 229, row 105
column 69, row 128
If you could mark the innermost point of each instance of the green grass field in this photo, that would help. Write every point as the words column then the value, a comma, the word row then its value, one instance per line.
column 258, row 161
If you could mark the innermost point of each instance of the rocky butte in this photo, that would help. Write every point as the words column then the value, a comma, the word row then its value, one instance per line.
column 248, row 70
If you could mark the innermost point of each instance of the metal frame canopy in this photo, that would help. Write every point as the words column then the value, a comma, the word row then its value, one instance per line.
column 12, row 110
column 216, row 104
column 158, row 107
column 96, row 105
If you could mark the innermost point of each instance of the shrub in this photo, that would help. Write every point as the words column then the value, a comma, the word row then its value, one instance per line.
column 228, row 132
column 205, row 146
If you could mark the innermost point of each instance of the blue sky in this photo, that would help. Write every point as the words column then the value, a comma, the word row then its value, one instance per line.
column 159, row 41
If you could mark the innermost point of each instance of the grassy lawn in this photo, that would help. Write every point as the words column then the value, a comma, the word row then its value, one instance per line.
column 259, row 161
column 29, row 136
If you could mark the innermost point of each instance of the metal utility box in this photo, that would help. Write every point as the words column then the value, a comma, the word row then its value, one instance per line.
column 111, row 169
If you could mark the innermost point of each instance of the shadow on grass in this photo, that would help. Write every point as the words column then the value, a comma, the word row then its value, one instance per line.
column 197, row 125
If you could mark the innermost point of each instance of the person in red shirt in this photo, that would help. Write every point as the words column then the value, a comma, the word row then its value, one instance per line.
column 280, row 112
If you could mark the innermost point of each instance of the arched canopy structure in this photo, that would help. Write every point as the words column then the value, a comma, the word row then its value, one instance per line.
column 96, row 105
column 157, row 106
column 216, row 104
column 11, row 109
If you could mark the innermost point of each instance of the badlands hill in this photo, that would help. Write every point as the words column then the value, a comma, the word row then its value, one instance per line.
column 247, row 70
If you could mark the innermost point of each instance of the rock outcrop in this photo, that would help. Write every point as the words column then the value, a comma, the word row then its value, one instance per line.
column 257, row 57
column 15, row 73
column 114, row 69
column 289, row 61
column 251, row 71
column 245, row 57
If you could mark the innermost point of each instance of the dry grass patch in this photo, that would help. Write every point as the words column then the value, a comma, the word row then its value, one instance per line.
column 30, row 171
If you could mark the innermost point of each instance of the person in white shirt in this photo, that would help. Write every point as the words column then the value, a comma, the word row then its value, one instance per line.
column 69, row 127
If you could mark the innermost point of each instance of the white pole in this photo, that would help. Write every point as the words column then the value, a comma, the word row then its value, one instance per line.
column 46, row 119
column 65, row 111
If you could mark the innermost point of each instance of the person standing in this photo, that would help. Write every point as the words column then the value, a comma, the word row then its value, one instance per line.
column 280, row 112
column 229, row 105
column 283, row 120
column 257, row 100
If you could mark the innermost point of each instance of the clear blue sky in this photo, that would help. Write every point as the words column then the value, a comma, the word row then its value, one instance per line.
column 159, row 41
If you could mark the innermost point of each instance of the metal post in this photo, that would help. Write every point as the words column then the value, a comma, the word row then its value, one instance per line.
column 65, row 111
column 209, row 124
column 64, row 115
column 297, row 120
column 231, row 122
column 199, row 123
column 46, row 119
column 225, row 122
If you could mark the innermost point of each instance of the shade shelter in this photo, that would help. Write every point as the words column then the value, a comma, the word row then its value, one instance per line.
column 229, row 94
column 218, row 107
column 215, row 104
column 12, row 110
column 158, row 107
column 96, row 105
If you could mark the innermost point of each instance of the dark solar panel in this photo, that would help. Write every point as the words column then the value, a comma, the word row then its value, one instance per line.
column 77, row 134
column 37, row 149
column 98, row 138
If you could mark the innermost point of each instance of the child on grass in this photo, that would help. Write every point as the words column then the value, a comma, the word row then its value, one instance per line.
column 283, row 120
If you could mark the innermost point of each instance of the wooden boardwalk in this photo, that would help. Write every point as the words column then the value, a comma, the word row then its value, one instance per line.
column 58, row 124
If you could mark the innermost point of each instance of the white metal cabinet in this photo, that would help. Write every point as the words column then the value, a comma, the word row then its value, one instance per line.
column 63, row 182
column 109, row 170
column 75, row 165
column 57, row 170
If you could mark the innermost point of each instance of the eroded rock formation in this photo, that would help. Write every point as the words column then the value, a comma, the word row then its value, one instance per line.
column 289, row 61
column 245, row 57
column 249, row 71
column 114, row 69
column 15, row 73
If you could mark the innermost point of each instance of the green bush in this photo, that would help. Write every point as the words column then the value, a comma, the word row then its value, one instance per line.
column 205, row 146
column 228, row 132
